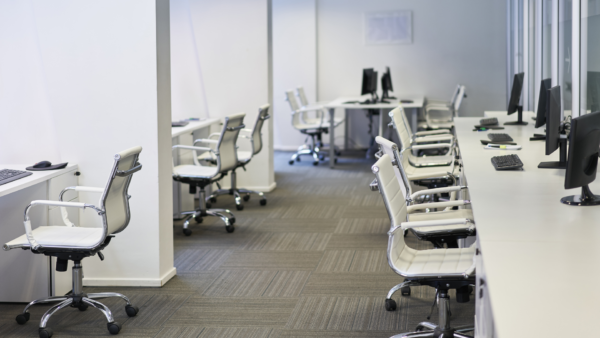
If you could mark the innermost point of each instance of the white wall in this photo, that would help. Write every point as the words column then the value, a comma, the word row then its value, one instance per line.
column 453, row 41
column 294, row 63
column 230, row 64
column 97, row 69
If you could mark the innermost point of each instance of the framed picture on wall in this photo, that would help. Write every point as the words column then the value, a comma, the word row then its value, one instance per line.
column 388, row 28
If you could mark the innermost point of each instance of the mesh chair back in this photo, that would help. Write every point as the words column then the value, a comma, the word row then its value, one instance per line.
column 302, row 96
column 263, row 115
column 389, row 187
column 400, row 127
column 226, row 145
column 115, row 200
column 391, row 149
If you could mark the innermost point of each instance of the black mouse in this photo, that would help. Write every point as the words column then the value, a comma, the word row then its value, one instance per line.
column 42, row 164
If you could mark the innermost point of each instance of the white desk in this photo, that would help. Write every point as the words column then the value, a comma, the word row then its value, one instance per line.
column 541, row 257
column 182, row 199
column 26, row 276
column 339, row 103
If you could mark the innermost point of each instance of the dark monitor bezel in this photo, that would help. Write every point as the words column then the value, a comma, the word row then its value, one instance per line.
column 367, row 81
column 515, row 93
column 553, row 120
column 584, row 141
column 542, row 108
column 386, row 81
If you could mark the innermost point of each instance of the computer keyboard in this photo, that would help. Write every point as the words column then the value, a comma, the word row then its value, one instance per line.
column 488, row 122
column 499, row 137
column 9, row 175
column 179, row 123
column 507, row 162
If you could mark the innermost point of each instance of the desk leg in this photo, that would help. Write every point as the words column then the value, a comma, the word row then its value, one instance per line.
column 331, row 137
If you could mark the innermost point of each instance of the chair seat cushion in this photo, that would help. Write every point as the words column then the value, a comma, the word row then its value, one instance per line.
column 73, row 237
column 434, row 262
column 431, row 160
column 244, row 156
column 434, row 216
column 194, row 171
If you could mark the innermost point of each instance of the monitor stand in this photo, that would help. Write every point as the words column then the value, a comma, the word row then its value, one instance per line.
column 386, row 95
column 562, row 163
column 585, row 199
column 538, row 137
column 519, row 121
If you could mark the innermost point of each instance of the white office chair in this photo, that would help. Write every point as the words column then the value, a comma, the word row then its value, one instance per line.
column 438, row 235
column 443, row 269
column 319, row 110
column 254, row 136
column 443, row 143
column 314, row 128
column 72, row 242
column 441, row 116
column 199, row 176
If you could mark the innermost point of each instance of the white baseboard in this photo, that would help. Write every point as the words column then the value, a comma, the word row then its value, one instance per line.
column 147, row 282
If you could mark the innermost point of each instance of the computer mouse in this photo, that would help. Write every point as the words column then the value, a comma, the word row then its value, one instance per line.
column 42, row 164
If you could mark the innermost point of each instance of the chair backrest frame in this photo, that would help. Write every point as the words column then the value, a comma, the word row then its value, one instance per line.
column 226, row 147
column 256, row 136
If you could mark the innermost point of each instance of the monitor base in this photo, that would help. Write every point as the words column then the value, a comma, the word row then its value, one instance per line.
column 516, row 123
column 552, row 165
column 586, row 198
column 538, row 137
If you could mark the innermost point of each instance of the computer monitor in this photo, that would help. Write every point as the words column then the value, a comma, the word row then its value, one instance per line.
column 515, row 97
column 386, row 84
column 593, row 91
column 583, row 159
column 555, row 134
column 542, row 107
column 369, row 84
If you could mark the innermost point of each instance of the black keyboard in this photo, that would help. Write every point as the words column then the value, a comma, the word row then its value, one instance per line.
column 179, row 123
column 499, row 137
column 507, row 162
column 9, row 175
column 488, row 122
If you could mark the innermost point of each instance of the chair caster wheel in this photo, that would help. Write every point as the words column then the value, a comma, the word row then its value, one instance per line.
column 390, row 305
column 45, row 332
column 335, row 160
column 23, row 318
column 291, row 162
column 321, row 158
column 113, row 327
column 246, row 198
column 131, row 310
column 239, row 207
column 82, row 306
column 198, row 219
column 187, row 232
column 213, row 199
column 405, row 291
column 298, row 159
column 263, row 202
column 232, row 220
column 338, row 153
column 230, row 228
column 316, row 163
column 208, row 205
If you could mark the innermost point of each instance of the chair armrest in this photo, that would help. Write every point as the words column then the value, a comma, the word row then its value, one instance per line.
column 440, row 222
column 430, row 146
column 27, row 223
column 374, row 186
column 436, row 191
column 458, row 203
column 205, row 140
column 433, row 138
column 63, row 210
column 433, row 132
column 195, row 157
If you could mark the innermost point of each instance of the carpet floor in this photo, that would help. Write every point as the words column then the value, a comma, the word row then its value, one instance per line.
column 311, row 263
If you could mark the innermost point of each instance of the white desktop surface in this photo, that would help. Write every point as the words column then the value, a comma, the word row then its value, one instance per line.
column 540, row 256
column 193, row 125
column 339, row 102
column 35, row 178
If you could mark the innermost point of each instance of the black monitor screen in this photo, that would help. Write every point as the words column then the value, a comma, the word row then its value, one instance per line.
column 542, row 107
column 367, row 81
column 386, row 81
column 583, row 150
column 515, row 94
column 553, row 121
column 374, row 83
column 593, row 91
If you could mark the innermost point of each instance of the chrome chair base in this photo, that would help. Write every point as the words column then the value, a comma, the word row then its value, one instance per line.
column 224, row 214
column 237, row 194
column 430, row 330
column 314, row 150
column 80, row 300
